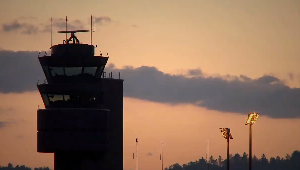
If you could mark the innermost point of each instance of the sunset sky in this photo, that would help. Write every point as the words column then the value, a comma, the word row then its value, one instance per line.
column 189, row 68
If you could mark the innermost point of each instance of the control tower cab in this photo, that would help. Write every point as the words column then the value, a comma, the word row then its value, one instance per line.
column 82, row 123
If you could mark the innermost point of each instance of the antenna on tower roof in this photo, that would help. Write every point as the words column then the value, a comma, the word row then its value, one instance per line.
column 94, row 25
column 51, row 32
column 91, row 30
column 66, row 28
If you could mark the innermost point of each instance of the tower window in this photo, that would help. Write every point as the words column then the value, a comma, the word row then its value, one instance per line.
column 46, row 99
column 72, row 100
column 56, row 97
column 73, row 74
column 73, row 71
column 90, row 70
column 47, row 71
column 56, row 71
column 99, row 72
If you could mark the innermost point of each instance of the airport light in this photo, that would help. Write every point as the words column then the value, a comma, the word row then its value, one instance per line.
column 227, row 135
column 252, row 118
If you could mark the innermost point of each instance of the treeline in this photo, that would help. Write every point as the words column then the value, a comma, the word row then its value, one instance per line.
column 240, row 162
column 237, row 162
column 21, row 167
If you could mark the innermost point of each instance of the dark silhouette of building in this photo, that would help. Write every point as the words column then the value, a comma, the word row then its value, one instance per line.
column 82, row 123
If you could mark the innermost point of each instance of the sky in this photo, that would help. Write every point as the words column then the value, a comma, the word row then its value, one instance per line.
column 231, row 58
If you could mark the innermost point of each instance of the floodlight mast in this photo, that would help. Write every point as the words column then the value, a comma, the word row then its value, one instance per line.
column 252, row 118
column 227, row 135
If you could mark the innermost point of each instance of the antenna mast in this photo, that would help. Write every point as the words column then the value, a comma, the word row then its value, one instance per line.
column 66, row 28
column 51, row 31
column 91, row 30
column 162, row 156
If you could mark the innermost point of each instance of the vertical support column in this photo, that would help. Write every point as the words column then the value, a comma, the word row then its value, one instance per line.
column 162, row 156
column 228, row 152
column 66, row 28
column 250, row 146
column 91, row 30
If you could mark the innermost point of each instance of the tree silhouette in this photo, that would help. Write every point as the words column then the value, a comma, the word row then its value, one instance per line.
column 21, row 167
column 238, row 162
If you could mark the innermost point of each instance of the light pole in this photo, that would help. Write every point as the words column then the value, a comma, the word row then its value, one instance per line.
column 252, row 118
column 162, row 156
column 136, row 154
column 227, row 135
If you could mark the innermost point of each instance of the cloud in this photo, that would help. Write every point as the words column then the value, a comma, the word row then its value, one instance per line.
column 19, row 136
column 134, row 26
column 102, row 20
column 25, row 25
column 60, row 24
column 28, row 18
column 18, row 77
column 268, row 95
column 291, row 76
column 149, row 154
column 5, row 110
column 195, row 72
column 2, row 112
column 2, row 124
column 24, row 28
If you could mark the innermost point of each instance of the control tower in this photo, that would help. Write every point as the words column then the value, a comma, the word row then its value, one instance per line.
column 82, row 123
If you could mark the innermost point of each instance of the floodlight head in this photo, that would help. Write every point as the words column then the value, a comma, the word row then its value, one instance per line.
column 226, row 133
column 252, row 118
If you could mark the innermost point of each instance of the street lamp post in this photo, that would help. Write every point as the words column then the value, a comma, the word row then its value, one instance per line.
column 227, row 135
column 252, row 118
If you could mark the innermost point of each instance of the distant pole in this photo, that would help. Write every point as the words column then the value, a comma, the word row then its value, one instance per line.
column 228, row 152
column 51, row 31
column 137, row 156
column 91, row 30
column 162, row 156
column 66, row 28
column 207, row 154
column 250, row 146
